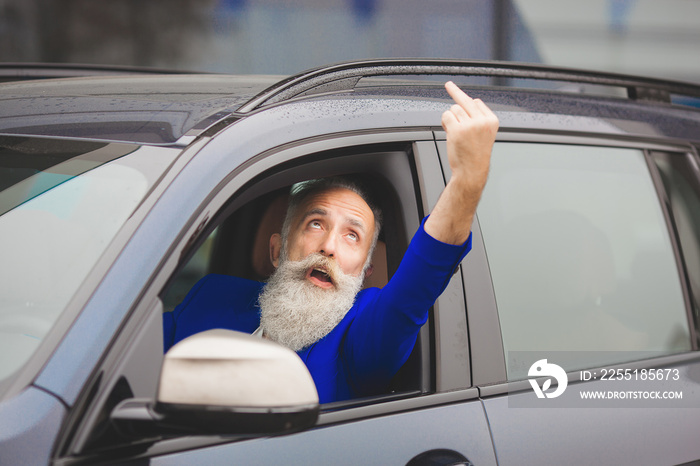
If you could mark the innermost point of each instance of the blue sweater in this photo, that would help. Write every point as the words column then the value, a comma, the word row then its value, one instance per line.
column 366, row 349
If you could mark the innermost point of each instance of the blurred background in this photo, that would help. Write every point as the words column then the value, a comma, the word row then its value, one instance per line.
column 659, row 38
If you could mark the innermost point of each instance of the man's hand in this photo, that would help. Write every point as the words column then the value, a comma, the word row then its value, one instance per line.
column 471, row 131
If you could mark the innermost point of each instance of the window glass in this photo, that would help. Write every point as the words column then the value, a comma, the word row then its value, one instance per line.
column 580, row 255
column 680, row 173
column 57, row 217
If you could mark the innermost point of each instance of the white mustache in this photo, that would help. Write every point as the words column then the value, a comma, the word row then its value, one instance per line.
column 319, row 262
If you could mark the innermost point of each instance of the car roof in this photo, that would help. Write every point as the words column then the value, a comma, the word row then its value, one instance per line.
column 149, row 109
column 163, row 108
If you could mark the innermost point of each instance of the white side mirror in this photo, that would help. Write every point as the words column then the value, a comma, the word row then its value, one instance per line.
column 222, row 382
column 227, row 368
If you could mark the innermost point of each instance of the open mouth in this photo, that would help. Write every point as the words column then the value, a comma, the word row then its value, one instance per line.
column 320, row 277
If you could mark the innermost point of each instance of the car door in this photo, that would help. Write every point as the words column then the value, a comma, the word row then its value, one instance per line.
column 433, row 413
column 595, row 302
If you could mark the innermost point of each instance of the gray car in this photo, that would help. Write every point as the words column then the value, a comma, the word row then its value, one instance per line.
column 569, row 335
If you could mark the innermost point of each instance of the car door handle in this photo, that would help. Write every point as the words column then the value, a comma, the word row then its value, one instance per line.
column 440, row 457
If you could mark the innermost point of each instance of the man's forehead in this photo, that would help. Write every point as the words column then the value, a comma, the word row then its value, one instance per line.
column 346, row 200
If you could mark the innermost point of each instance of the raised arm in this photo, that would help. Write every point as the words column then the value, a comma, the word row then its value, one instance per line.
column 471, row 131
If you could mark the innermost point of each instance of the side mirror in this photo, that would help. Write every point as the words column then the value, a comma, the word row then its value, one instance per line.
column 222, row 382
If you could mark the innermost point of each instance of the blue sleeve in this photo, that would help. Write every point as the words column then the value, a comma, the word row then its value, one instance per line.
column 385, row 329
column 170, row 319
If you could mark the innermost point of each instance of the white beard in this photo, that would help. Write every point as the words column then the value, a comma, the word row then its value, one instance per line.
column 296, row 313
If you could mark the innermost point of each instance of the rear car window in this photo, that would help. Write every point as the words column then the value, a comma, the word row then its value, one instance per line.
column 580, row 256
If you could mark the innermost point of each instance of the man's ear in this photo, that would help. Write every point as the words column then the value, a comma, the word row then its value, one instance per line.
column 368, row 271
column 275, row 249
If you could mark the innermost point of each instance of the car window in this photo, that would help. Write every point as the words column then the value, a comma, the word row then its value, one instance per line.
column 236, row 243
column 679, row 173
column 580, row 255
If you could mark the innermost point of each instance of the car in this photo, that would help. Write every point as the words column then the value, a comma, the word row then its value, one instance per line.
column 569, row 334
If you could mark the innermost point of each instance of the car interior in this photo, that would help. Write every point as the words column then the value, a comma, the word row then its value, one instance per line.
column 237, row 240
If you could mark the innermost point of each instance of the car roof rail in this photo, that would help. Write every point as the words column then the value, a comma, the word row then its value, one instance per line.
column 344, row 76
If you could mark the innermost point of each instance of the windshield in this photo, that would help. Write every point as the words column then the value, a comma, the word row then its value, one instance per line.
column 61, row 203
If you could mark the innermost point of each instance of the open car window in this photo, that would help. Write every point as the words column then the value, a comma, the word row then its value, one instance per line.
column 236, row 242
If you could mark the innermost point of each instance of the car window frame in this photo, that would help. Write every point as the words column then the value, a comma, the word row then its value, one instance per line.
column 681, row 267
column 693, row 299
column 235, row 187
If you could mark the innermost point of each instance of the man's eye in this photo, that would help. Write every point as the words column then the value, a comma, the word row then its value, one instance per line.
column 315, row 224
column 353, row 237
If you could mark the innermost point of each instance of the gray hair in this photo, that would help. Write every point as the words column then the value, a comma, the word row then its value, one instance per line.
column 303, row 190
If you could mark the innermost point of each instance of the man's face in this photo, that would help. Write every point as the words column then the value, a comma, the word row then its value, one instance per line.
column 336, row 223
column 315, row 285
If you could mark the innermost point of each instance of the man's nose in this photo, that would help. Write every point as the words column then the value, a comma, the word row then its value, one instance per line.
column 328, row 245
